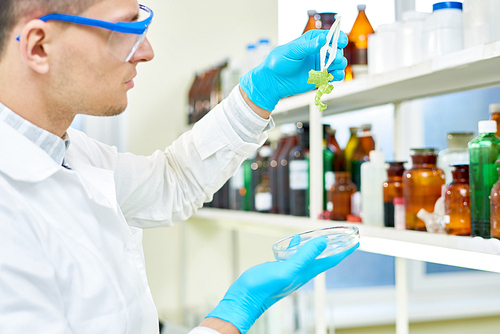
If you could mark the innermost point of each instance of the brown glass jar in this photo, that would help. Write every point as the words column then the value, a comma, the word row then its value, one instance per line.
column 393, row 188
column 495, row 207
column 339, row 196
column 421, row 186
column 457, row 202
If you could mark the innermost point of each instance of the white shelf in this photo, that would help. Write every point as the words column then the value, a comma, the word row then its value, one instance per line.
column 467, row 252
column 466, row 69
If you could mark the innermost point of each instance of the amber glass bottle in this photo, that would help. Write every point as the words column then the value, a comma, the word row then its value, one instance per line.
column 350, row 147
column 299, row 173
column 358, row 42
column 311, row 21
column 273, row 173
column 457, row 202
column 339, row 196
column 361, row 154
column 283, row 175
column 495, row 116
column 495, row 208
column 393, row 188
column 421, row 186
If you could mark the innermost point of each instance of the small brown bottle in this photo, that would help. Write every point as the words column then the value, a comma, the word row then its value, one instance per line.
column 421, row 186
column 339, row 196
column 457, row 202
column 393, row 188
column 312, row 21
column 495, row 207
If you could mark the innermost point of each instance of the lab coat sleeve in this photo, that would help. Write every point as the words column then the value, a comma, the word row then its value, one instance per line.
column 30, row 300
column 203, row 330
column 168, row 187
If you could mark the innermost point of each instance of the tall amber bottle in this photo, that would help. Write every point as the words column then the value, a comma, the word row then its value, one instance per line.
column 393, row 188
column 457, row 202
column 495, row 207
column 357, row 48
column 339, row 196
column 421, row 186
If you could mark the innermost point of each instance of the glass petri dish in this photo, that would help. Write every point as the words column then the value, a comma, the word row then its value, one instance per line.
column 339, row 239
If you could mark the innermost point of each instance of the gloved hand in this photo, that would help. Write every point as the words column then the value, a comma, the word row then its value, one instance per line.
column 285, row 70
column 263, row 285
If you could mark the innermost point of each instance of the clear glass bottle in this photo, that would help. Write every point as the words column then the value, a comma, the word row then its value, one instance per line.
column 495, row 207
column 495, row 116
column 263, row 196
column 421, row 186
column 373, row 175
column 456, row 153
column 392, row 188
column 483, row 151
column 299, row 173
column 358, row 43
column 339, row 196
column 457, row 202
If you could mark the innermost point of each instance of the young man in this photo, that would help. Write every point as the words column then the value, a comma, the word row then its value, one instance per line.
column 72, row 209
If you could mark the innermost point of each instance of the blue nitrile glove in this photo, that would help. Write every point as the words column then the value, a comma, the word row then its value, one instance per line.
column 285, row 70
column 263, row 285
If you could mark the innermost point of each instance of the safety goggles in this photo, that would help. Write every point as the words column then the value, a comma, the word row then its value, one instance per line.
column 126, row 37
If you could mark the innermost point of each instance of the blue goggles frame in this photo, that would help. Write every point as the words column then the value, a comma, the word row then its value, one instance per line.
column 138, row 27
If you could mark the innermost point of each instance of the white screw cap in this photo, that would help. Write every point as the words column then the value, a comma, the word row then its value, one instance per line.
column 487, row 126
column 494, row 108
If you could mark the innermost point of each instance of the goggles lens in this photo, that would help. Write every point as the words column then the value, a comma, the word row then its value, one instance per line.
column 124, row 45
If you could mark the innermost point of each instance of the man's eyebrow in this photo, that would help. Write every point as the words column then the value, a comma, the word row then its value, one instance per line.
column 128, row 18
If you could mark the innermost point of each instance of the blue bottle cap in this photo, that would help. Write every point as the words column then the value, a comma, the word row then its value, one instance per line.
column 251, row 46
column 447, row 5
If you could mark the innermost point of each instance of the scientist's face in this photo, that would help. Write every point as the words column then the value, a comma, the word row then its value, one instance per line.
column 86, row 78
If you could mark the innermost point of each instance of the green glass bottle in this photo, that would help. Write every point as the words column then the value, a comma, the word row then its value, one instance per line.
column 483, row 151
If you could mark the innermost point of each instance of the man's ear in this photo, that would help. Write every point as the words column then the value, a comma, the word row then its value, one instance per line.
column 35, row 45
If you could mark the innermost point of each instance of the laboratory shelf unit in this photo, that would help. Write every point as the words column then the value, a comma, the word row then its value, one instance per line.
column 462, row 70
column 467, row 69
column 474, row 253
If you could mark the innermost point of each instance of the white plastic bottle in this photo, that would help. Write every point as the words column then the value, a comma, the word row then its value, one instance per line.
column 409, row 51
column 480, row 20
column 263, row 49
column 443, row 30
column 373, row 176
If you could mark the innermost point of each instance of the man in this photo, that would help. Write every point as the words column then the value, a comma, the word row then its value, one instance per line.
column 71, row 208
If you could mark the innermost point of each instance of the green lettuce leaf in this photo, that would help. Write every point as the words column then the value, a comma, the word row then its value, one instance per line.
column 321, row 80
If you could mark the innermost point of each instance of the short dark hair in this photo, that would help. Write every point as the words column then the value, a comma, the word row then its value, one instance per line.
column 11, row 11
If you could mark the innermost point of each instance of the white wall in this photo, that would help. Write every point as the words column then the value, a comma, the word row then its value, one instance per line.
column 187, row 36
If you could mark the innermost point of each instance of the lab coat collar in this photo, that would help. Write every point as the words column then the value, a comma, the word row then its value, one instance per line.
column 21, row 159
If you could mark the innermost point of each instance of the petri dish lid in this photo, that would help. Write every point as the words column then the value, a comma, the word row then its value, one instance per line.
column 340, row 238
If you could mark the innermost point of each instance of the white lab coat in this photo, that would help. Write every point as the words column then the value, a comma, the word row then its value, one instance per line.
column 71, row 256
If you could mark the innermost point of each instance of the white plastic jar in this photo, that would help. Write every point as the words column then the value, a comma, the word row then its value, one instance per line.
column 478, row 18
column 443, row 30
column 410, row 39
column 382, row 47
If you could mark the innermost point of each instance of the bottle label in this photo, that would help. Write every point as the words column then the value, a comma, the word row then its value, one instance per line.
column 299, row 175
column 263, row 201
column 238, row 179
column 329, row 180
